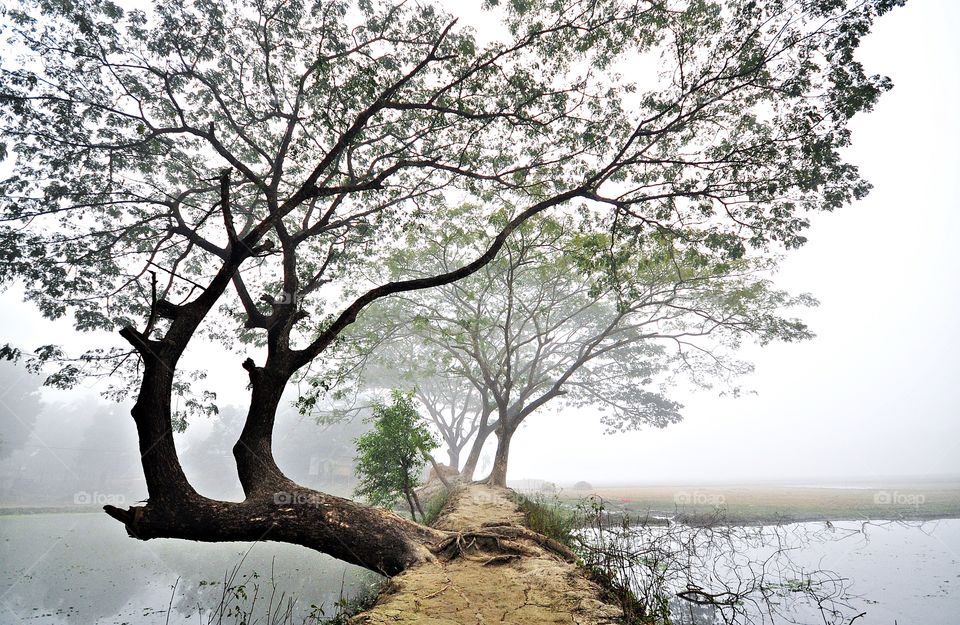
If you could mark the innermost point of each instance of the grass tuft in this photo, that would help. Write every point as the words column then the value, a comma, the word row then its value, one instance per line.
column 435, row 506
column 548, row 516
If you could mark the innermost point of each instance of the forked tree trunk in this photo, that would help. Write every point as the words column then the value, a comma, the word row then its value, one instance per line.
column 454, row 454
column 275, row 507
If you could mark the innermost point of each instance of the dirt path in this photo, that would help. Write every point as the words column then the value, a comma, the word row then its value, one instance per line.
column 501, row 574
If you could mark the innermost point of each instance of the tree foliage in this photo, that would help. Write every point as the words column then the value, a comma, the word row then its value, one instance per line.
column 172, row 140
column 585, row 319
column 391, row 457
column 200, row 169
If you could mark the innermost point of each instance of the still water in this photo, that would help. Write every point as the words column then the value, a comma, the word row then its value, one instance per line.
column 81, row 568
column 891, row 573
column 60, row 569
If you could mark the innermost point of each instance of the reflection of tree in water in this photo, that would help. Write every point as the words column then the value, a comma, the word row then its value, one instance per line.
column 714, row 572
column 295, row 586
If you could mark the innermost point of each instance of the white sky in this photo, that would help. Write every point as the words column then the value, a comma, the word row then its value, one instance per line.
column 877, row 393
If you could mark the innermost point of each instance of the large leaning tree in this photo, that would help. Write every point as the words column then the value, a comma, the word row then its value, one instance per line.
column 565, row 316
column 204, row 169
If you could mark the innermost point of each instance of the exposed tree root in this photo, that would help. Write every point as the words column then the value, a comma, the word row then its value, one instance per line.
column 490, row 570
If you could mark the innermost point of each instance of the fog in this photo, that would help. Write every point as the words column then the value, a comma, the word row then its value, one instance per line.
column 873, row 396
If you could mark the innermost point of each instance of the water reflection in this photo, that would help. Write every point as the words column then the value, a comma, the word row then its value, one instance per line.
column 66, row 569
column 872, row 572
column 81, row 568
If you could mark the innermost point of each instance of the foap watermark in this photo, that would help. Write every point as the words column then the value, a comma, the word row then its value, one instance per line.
column 85, row 498
column 696, row 498
column 296, row 499
column 895, row 498
column 490, row 497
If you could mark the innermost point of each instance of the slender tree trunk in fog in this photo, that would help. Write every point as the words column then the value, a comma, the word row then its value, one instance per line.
column 498, row 475
column 473, row 458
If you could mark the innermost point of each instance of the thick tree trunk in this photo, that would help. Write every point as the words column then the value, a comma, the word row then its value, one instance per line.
column 256, row 467
column 369, row 537
column 498, row 475
column 158, row 454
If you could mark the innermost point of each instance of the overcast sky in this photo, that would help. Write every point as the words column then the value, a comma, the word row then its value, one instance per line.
column 877, row 393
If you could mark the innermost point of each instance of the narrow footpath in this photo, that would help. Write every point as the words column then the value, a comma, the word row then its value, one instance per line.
column 492, row 570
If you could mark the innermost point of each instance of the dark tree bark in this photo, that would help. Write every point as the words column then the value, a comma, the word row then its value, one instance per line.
column 369, row 537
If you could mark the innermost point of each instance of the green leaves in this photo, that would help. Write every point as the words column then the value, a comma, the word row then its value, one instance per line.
column 689, row 134
column 391, row 457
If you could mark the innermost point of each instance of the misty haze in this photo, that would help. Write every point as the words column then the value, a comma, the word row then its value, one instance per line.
column 450, row 312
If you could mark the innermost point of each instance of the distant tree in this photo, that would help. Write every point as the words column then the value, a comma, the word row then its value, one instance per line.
column 562, row 317
column 216, row 169
column 19, row 406
column 370, row 363
column 391, row 457
column 455, row 408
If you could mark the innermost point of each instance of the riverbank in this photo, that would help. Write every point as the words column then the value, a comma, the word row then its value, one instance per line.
column 765, row 504
column 744, row 504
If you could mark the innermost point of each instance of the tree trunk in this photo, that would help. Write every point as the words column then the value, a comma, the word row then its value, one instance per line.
column 454, row 454
column 413, row 511
column 473, row 458
column 369, row 537
column 253, row 451
column 498, row 475
column 158, row 454
column 416, row 500
column 439, row 473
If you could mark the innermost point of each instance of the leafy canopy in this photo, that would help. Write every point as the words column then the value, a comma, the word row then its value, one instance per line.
column 391, row 456
column 220, row 168
column 602, row 318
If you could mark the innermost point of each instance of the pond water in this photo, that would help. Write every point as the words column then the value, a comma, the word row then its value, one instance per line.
column 61, row 569
column 903, row 574
column 891, row 573
column 82, row 568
